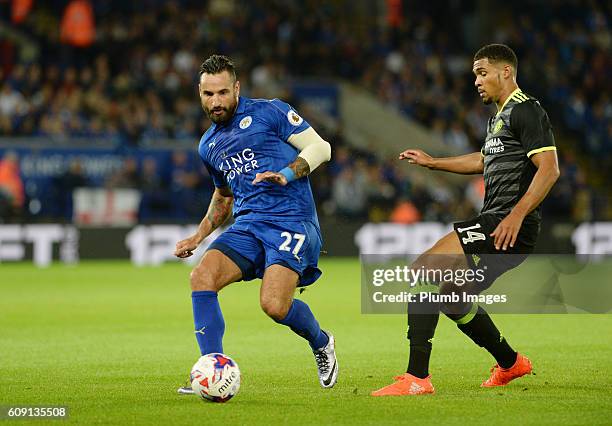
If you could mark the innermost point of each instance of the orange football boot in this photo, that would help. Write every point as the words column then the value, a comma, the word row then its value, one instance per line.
column 406, row 384
column 503, row 376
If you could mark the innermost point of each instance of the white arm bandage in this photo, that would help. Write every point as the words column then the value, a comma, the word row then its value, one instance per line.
column 313, row 148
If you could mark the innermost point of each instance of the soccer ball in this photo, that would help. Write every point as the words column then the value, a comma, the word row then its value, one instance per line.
column 215, row 377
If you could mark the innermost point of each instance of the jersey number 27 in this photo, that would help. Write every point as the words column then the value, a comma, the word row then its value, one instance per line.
column 300, row 238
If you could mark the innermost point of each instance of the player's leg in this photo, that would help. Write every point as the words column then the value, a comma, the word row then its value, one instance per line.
column 276, row 299
column 213, row 273
column 478, row 326
column 292, row 252
column 472, row 319
column 422, row 321
column 291, row 255
column 423, row 316
column 232, row 257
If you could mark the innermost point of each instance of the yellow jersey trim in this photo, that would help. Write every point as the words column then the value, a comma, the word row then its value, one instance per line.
column 536, row 151
column 517, row 90
column 520, row 97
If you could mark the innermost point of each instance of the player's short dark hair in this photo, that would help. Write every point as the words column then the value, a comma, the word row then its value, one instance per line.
column 497, row 53
column 216, row 64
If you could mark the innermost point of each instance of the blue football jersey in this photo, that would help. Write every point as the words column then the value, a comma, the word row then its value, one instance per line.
column 255, row 141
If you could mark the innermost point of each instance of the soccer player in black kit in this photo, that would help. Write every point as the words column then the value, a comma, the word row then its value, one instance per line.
column 519, row 163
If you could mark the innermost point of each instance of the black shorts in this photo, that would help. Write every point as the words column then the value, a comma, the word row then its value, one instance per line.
column 474, row 236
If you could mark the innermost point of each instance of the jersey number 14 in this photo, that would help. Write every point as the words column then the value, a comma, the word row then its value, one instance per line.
column 471, row 235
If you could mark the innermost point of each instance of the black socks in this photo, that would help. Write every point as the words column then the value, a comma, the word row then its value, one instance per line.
column 422, row 322
column 477, row 325
column 484, row 333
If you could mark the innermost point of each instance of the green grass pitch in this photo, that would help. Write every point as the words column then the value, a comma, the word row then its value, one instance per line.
column 112, row 342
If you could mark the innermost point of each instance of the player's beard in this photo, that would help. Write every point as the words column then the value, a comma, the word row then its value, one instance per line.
column 225, row 116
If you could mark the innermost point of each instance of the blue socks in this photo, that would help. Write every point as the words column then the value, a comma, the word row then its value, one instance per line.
column 210, row 326
column 302, row 322
column 208, row 320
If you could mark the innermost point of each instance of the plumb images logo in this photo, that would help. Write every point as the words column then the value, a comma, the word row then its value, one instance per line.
column 506, row 283
column 421, row 284
column 388, row 285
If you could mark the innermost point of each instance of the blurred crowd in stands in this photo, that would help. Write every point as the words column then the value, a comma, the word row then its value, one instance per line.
column 135, row 85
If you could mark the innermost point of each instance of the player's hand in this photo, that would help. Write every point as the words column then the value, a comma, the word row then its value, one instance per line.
column 417, row 156
column 272, row 177
column 185, row 248
column 507, row 231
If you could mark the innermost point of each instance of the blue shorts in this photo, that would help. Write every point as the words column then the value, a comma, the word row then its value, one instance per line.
column 255, row 245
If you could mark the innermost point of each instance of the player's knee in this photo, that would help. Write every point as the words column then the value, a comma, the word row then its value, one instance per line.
column 274, row 308
column 448, row 289
column 420, row 263
column 202, row 279
column 427, row 262
column 453, row 300
column 434, row 260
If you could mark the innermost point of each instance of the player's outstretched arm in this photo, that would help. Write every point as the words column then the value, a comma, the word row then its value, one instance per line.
column 468, row 164
column 219, row 210
column 507, row 230
column 314, row 151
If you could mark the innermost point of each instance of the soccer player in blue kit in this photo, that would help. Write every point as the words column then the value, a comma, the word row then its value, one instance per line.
column 259, row 153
